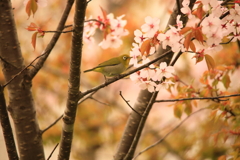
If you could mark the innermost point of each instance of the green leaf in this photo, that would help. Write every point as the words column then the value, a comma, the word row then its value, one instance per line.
column 210, row 62
column 178, row 110
column 34, row 6
column 226, row 81
column 188, row 107
column 215, row 82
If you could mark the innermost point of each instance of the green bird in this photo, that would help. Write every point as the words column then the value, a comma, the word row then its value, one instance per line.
column 112, row 67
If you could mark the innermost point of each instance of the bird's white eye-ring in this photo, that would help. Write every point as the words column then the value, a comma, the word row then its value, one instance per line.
column 125, row 58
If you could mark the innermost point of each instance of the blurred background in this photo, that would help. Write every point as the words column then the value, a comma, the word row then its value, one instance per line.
column 101, row 120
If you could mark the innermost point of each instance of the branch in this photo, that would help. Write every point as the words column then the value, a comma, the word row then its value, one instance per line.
column 89, row 1
column 227, row 41
column 224, row 15
column 164, row 137
column 7, row 62
column 70, row 25
column 87, row 97
column 58, row 31
column 199, row 98
column 140, row 127
column 6, row 128
column 53, row 151
column 98, row 101
column 178, row 6
column 89, row 20
column 176, row 58
column 19, row 73
column 59, row 118
column 129, row 104
column 73, row 81
column 53, row 41
column 110, row 81
column 52, row 124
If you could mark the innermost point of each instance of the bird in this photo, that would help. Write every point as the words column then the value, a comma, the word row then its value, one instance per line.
column 112, row 67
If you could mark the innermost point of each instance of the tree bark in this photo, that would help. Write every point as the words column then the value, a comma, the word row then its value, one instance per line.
column 7, row 129
column 74, row 81
column 21, row 104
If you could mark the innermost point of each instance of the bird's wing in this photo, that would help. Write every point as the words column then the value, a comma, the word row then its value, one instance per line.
column 113, row 62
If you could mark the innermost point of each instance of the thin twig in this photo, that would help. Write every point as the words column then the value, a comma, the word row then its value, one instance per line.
column 70, row 25
column 19, row 73
column 89, row 20
column 58, row 31
column 98, row 101
column 52, row 124
column 129, row 104
column 164, row 137
column 7, row 62
column 53, row 151
column 198, row 98
column 87, row 97
column 176, row 58
column 227, row 41
column 224, row 15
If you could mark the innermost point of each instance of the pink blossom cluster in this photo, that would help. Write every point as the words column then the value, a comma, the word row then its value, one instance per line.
column 209, row 23
column 112, row 28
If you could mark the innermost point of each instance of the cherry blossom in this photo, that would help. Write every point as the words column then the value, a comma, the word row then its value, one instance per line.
column 90, row 27
column 151, row 26
column 185, row 9
column 134, row 54
column 210, row 24
column 147, row 72
column 207, row 38
column 179, row 22
column 163, row 71
column 110, row 41
column 171, row 38
column 117, row 25
column 212, row 3
column 164, row 85
column 149, row 85
column 135, row 77
column 235, row 13
column 139, row 38
column 88, row 38
column 112, row 28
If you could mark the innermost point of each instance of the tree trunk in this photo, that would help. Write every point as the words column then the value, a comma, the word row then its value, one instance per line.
column 74, row 81
column 21, row 104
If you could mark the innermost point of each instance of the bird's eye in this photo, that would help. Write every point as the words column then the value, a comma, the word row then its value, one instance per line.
column 124, row 58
